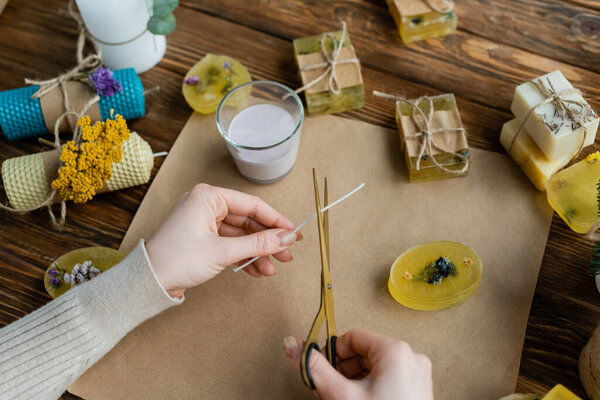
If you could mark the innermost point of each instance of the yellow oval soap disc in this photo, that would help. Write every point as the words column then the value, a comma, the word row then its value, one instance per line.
column 408, row 283
column 207, row 82
column 101, row 258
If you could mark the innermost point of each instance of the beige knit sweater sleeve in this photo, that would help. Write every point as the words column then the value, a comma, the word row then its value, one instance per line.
column 44, row 352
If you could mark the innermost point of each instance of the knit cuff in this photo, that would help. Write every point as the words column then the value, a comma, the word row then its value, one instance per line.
column 125, row 296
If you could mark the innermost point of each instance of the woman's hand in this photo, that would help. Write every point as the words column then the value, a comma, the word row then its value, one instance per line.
column 369, row 366
column 212, row 228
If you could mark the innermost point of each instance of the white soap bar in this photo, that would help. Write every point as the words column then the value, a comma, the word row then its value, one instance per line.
column 556, row 135
column 528, row 156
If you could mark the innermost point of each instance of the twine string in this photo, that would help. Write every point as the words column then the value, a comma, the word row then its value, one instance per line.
column 48, row 201
column 576, row 114
column 331, row 60
column 449, row 6
column 594, row 232
column 425, row 132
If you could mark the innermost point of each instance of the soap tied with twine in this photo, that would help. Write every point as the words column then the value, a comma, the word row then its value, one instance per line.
column 427, row 134
column 576, row 111
column 333, row 68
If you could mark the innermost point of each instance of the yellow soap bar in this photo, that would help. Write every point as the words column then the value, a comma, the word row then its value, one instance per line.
column 573, row 193
column 528, row 156
column 559, row 392
column 417, row 21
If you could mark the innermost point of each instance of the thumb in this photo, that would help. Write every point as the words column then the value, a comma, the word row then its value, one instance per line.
column 330, row 384
column 263, row 243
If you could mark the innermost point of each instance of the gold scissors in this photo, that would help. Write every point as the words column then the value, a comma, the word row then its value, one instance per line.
column 326, row 309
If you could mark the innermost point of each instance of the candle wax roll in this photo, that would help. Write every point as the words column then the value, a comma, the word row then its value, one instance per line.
column 417, row 21
column 528, row 156
column 319, row 97
column 573, row 193
column 27, row 178
column 445, row 115
column 22, row 116
column 556, row 134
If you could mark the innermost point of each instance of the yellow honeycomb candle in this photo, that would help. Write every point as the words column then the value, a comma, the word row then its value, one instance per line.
column 412, row 286
column 573, row 193
column 416, row 20
column 528, row 156
column 207, row 82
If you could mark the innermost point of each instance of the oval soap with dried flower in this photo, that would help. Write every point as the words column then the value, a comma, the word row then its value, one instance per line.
column 435, row 275
column 78, row 266
column 207, row 82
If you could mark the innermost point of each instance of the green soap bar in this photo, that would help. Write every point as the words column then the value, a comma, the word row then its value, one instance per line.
column 428, row 171
column 349, row 98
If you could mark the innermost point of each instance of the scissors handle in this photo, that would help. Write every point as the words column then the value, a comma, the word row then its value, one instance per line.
column 331, row 357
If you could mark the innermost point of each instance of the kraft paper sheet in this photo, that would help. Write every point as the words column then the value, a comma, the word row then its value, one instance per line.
column 224, row 342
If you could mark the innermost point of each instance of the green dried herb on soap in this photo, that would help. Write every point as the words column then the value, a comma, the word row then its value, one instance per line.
column 570, row 213
column 436, row 271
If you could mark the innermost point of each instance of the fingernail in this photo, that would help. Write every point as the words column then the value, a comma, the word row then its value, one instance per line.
column 290, row 346
column 287, row 238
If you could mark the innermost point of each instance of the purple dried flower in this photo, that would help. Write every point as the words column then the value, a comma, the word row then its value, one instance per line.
column 226, row 65
column 192, row 80
column 52, row 272
column 54, row 281
column 104, row 83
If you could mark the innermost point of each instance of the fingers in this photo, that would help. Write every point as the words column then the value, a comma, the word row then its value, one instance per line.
column 248, row 224
column 227, row 229
column 352, row 368
column 330, row 384
column 239, row 203
column 264, row 243
column 371, row 346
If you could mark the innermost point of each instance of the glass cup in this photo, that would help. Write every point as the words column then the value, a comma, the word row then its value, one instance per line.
column 261, row 123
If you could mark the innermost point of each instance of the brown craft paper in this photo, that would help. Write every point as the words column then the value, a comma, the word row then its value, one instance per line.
column 2, row 5
column 407, row 8
column 450, row 141
column 347, row 74
column 79, row 94
column 224, row 342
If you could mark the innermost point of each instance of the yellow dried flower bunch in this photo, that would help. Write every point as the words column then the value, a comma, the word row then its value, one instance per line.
column 87, row 165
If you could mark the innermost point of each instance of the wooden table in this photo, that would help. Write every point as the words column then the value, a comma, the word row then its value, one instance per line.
column 499, row 44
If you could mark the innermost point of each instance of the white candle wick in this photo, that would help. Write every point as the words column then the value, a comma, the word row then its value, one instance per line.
column 344, row 197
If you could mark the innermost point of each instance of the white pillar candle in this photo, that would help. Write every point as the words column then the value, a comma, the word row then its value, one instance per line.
column 260, row 126
column 120, row 21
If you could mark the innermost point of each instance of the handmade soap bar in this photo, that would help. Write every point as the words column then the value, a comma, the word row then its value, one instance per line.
column 528, row 156
column 320, row 98
column 573, row 193
column 449, row 148
column 559, row 127
column 416, row 20
column 413, row 284
column 210, row 79
column 559, row 392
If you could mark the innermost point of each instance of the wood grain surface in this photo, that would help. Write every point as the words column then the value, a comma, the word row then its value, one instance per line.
column 499, row 44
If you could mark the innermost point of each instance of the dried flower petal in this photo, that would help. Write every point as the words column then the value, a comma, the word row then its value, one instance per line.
column 192, row 80
column 104, row 83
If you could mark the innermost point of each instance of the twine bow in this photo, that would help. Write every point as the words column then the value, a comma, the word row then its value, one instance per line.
column 576, row 114
column 449, row 6
column 425, row 132
column 48, row 201
column 331, row 60
column 85, row 65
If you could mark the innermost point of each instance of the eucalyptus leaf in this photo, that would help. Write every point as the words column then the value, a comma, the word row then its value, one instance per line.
column 162, row 25
column 164, row 7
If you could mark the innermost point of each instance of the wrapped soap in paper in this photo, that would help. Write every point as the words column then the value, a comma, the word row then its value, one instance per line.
column 435, row 142
column 423, row 19
column 330, row 73
column 22, row 115
column 555, row 115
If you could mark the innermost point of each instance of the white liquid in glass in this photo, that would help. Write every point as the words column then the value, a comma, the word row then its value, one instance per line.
column 264, row 125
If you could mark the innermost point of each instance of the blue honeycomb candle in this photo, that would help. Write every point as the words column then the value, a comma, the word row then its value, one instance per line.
column 22, row 116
